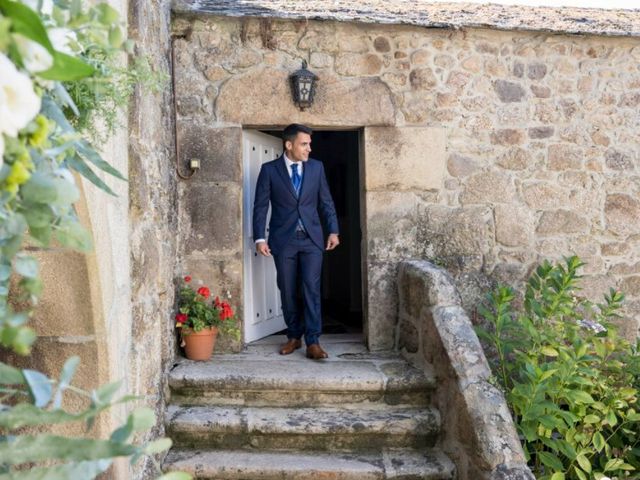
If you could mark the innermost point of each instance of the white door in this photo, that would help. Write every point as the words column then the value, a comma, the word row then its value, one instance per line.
column 262, row 306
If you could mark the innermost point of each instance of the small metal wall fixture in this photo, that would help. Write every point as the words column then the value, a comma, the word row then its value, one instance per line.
column 303, row 86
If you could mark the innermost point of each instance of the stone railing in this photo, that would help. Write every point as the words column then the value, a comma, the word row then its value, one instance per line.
column 436, row 333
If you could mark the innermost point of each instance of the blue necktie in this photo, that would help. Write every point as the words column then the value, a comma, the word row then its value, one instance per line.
column 295, row 178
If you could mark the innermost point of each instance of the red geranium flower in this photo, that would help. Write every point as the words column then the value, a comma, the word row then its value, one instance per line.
column 181, row 317
column 216, row 302
column 204, row 291
column 187, row 279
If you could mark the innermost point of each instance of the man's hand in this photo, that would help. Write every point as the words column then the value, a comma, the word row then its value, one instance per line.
column 332, row 241
column 263, row 249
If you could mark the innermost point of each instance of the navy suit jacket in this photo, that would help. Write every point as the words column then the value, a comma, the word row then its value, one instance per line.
column 313, row 205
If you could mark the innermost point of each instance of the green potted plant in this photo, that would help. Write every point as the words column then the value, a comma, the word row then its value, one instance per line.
column 200, row 319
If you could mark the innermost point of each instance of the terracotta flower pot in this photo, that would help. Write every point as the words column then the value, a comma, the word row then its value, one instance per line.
column 199, row 345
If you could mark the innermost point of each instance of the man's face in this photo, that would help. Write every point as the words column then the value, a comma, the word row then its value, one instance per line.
column 300, row 148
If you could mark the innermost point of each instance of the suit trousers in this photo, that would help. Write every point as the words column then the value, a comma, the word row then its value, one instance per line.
column 300, row 264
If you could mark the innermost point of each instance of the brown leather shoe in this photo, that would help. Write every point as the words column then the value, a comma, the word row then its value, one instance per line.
column 315, row 352
column 292, row 345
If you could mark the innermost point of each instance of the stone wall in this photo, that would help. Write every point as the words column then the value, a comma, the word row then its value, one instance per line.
column 435, row 333
column 541, row 152
column 153, row 222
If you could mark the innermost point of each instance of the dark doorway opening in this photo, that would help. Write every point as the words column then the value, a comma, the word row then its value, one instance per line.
column 339, row 151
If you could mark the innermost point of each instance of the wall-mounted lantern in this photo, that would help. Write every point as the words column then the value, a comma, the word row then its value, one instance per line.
column 303, row 86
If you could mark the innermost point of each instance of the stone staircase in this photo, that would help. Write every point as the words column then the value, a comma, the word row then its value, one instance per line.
column 260, row 416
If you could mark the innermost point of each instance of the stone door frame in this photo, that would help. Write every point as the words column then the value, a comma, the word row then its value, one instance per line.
column 359, row 129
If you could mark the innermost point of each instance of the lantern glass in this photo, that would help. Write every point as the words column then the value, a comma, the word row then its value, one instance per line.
column 305, row 89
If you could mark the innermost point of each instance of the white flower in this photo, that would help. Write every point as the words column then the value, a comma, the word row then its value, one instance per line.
column 47, row 6
column 35, row 57
column 19, row 104
column 62, row 39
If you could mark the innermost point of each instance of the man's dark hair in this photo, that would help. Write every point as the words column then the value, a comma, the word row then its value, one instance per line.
column 291, row 132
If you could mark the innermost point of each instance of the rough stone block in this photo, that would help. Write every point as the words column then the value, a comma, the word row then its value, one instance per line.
column 455, row 235
column 423, row 285
column 489, row 187
column 544, row 195
column 382, row 304
column 561, row 222
column 215, row 218
column 263, row 97
column 507, row 136
column 219, row 151
column 536, row 71
column 514, row 225
column 617, row 160
column 508, row 91
column 391, row 225
column 565, row 157
column 541, row 132
column 422, row 79
column 381, row 44
column 622, row 213
column 351, row 64
column 404, row 158
column 461, row 166
column 408, row 337
column 461, row 344
column 516, row 158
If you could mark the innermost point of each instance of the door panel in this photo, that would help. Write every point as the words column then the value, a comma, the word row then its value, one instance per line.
column 263, row 309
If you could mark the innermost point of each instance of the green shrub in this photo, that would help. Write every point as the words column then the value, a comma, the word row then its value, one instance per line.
column 570, row 380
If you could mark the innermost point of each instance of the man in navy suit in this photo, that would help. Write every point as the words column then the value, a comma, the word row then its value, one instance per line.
column 297, row 189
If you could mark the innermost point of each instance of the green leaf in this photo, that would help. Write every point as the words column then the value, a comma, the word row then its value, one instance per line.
column 598, row 441
column 42, row 235
column 5, row 272
column 39, row 386
column 158, row 446
column 39, row 189
column 142, row 418
column 577, row 396
column 584, row 462
column 26, row 414
column 613, row 464
column 67, row 68
column 26, row 265
column 94, row 157
column 591, row 418
column 107, row 15
column 566, row 449
column 176, row 476
column 557, row 476
column 38, row 216
column 73, row 235
column 89, row 469
column 27, row 22
column 10, row 375
column 551, row 461
column 78, row 164
column 581, row 475
column 66, row 375
column 26, row 448
column 549, row 351
column 105, row 393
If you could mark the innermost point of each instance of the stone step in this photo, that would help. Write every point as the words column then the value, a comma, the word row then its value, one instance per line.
column 261, row 378
column 345, row 428
column 431, row 464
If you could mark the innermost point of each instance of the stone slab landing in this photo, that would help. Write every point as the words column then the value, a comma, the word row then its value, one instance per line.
column 259, row 415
